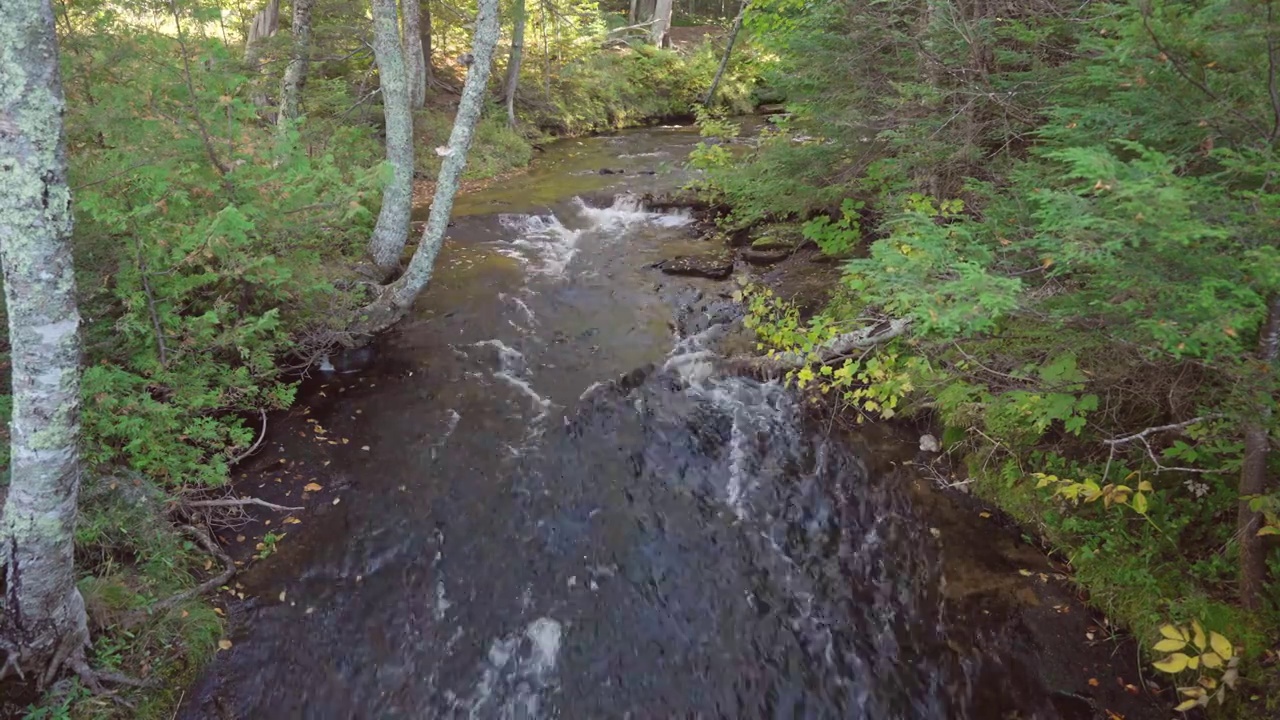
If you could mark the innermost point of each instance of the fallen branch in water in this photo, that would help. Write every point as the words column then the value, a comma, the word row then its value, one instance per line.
column 211, row 547
column 860, row 339
column 239, row 502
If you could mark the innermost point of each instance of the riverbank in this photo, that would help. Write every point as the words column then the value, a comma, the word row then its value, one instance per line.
column 1129, row 597
column 261, row 289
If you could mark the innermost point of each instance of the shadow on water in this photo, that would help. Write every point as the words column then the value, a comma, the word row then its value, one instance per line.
column 543, row 500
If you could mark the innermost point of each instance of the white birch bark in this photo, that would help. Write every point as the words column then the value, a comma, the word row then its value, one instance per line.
column 396, row 298
column 42, row 616
column 414, row 59
column 662, row 22
column 392, row 231
column 295, row 74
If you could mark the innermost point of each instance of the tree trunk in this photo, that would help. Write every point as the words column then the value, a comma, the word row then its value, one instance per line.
column 42, row 616
column 295, row 74
column 728, row 52
column 415, row 61
column 631, row 16
column 512, row 81
column 662, row 22
column 265, row 24
column 1253, row 473
column 392, row 230
column 396, row 298
column 426, row 42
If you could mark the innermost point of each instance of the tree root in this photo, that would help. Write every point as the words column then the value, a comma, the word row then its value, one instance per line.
column 228, row 571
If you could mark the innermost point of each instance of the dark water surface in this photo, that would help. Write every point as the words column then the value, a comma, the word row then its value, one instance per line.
column 527, row 536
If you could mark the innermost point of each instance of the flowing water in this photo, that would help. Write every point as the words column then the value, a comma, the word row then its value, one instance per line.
column 543, row 500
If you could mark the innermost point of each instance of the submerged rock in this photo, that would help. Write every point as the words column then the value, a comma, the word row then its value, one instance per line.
column 765, row 257
column 716, row 266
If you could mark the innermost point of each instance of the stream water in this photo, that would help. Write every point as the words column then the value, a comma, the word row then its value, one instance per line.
column 541, row 500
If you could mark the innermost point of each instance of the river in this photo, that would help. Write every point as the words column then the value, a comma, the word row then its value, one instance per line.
column 540, row 499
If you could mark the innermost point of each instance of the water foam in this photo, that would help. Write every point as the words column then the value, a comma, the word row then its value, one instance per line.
column 547, row 246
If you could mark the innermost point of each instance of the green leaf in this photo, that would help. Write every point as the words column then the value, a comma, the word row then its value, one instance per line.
column 1140, row 504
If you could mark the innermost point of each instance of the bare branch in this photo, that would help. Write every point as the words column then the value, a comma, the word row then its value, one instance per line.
column 253, row 448
column 1143, row 434
column 1142, row 437
column 860, row 339
column 239, row 502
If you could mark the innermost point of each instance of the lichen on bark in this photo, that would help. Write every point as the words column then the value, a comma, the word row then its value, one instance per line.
column 42, row 616
column 392, row 231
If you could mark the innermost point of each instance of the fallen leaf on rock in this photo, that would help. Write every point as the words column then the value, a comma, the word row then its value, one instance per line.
column 984, row 515
column 291, row 520
column 282, row 594
column 1093, row 682
column 224, row 644
column 337, row 500
column 312, row 487
column 218, row 611
column 364, row 448
column 1025, row 573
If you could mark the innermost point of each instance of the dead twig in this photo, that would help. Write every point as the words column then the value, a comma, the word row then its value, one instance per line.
column 239, row 502
column 253, row 448
column 1142, row 437
column 861, row 339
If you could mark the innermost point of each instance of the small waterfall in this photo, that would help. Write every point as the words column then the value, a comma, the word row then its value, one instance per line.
column 548, row 246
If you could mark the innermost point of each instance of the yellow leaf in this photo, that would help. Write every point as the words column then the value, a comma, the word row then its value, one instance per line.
column 1173, row 633
column 1169, row 645
column 224, row 644
column 1211, row 660
column 1198, row 634
column 1145, row 486
column 1193, row 662
column 1186, row 705
column 312, row 487
column 1221, row 646
column 1175, row 663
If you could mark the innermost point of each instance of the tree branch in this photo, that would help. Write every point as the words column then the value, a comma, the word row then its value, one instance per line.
column 253, row 448
column 239, row 502
column 1143, row 434
column 860, row 339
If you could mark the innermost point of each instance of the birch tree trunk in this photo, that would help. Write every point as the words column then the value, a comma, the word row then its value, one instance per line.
column 42, row 616
column 662, row 22
column 392, row 230
column 426, row 43
column 512, row 81
column 414, row 59
column 1253, row 472
column 295, row 74
column 396, row 298
column 728, row 52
